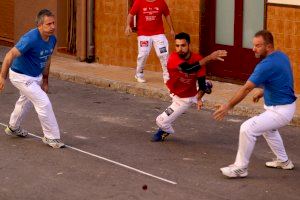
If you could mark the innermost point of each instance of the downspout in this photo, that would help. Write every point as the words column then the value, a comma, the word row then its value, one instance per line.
column 90, row 43
column 81, row 30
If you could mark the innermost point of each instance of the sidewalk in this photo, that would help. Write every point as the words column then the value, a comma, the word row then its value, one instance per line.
column 122, row 79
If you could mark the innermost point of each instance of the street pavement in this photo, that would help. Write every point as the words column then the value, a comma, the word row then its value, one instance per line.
column 109, row 155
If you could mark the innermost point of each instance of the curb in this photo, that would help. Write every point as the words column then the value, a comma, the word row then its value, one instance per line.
column 146, row 91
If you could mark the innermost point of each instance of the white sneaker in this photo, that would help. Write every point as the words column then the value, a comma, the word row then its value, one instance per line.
column 282, row 165
column 55, row 143
column 140, row 79
column 17, row 132
column 233, row 171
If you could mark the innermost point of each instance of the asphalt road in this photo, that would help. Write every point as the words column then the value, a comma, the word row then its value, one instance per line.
column 115, row 126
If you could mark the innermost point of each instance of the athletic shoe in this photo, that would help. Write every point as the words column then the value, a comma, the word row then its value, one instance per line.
column 55, row 143
column 17, row 132
column 233, row 171
column 282, row 165
column 140, row 79
column 159, row 136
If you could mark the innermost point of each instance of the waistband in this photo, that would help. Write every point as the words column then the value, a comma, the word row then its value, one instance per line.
column 17, row 71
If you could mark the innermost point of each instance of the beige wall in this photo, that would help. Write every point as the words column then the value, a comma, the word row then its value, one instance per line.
column 114, row 48
column 62, row 23
column 284, row 23
column 7, row 20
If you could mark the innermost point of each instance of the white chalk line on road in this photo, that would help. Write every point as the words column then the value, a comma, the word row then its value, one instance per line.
column 110, row 161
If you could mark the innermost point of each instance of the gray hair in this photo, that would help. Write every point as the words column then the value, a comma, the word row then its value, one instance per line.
column 40, row 16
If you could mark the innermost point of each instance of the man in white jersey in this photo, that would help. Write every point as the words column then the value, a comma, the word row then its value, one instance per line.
column 28, row 64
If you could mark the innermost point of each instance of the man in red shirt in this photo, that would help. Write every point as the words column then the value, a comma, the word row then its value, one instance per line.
column 150, row 32
column 185, row 69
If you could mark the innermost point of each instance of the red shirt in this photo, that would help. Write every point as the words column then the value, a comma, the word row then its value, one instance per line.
column 149, row 16
column 180, row 83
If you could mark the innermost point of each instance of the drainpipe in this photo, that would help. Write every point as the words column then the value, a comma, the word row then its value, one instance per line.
column 90, row 43
column 81, row 30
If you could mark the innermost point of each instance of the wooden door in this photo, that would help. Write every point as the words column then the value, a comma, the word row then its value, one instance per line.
column 231, row 25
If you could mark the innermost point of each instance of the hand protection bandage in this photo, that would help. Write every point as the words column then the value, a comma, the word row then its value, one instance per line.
column 189, row 68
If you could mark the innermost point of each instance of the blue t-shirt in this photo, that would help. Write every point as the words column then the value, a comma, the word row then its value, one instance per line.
column 274, row 74
column 34, row 53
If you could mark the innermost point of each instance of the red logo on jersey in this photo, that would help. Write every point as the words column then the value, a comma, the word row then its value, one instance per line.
column 144, row 43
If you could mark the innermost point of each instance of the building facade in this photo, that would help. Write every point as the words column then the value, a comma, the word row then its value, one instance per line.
column 96, row 28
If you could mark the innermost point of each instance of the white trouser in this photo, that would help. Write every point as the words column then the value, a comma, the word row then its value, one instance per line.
column 31, row 93
column 161, row 46
column 265, row 124
column 178, row 106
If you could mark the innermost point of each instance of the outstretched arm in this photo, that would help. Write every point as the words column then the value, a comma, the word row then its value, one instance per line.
column 216, row 55
column 238, row 97
column 9, row 57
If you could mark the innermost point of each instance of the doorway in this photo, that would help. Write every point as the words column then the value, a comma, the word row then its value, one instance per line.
column 230, row 25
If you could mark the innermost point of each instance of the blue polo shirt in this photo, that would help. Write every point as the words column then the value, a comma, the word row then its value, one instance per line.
column 274, row 74
column 34, row 53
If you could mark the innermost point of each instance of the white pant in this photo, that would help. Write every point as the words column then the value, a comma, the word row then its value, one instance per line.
column 31, row 93
column 178, row 106
column 265, row 124
column 161, row 46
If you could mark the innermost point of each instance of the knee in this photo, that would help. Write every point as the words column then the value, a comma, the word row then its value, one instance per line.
column 243, row 127
column 163, row 56
column 246, row 131
column 160, row 121
column 143, row 54
column 45, row 104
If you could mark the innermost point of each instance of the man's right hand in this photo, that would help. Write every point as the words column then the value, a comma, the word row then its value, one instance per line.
column 128, row 30
column 2, row 83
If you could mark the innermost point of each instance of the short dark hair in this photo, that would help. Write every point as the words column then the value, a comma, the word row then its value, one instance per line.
column 266, row 35
column 40, row 16
column 184, row 36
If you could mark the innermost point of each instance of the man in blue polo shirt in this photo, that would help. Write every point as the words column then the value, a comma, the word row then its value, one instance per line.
column 275, row 78
column 28, row 65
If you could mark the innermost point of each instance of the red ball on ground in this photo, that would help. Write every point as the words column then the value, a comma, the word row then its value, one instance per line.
column 145, row 187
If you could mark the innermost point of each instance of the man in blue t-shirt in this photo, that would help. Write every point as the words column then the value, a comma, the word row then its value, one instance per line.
column 28, row 64
column 273, row 75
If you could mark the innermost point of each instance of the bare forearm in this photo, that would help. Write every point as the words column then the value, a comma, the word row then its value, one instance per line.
column 6, row 65
column 8, row 59
column 239, row 96
column 205, row 60
column 169, row 21
column 129, row 19
column 46, row 71
column 200, row 94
